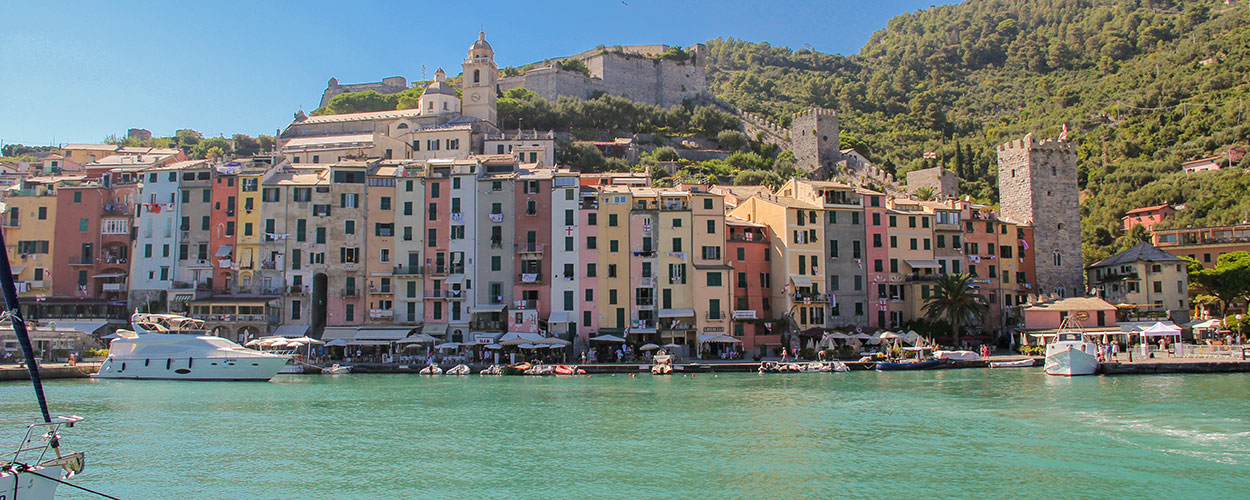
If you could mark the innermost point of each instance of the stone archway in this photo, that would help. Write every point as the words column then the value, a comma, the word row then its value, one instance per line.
column 220, row 331
column 246, row 333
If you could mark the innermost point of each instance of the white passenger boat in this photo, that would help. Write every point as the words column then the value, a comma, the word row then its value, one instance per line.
column 1068, row 353
column 173, row 347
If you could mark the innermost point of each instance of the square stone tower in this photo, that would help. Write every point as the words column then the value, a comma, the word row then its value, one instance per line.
column 1037, row 186
column 814, row 138
column 478, row 81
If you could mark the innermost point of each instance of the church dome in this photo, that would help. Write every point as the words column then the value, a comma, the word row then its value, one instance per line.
column 481, row 43
column 440, row 88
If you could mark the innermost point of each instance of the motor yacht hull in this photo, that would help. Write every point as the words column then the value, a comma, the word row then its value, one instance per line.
column 1070, row 362
column 233, row 369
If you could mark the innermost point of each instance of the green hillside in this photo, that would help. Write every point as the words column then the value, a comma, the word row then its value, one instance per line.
column 1143, row 86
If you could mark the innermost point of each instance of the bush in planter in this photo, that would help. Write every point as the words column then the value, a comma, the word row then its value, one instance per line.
column 60, row 354
column 95, row 353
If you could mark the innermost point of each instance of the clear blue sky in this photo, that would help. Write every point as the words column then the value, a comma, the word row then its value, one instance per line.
column 77, row 70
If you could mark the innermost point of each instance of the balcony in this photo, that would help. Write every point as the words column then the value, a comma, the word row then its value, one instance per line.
column 182, row 285
column 381, row 313
column 113, row 287
column 494, row 243
column 486, row 326
column 204, row 285
column 81, row 261
column 921, row 278
column 529, row 247
column 715, row 315
column 111, row 209
column 438, row 269
column 647, row 282
column 268, row 264
column 408, row 270
column 351, row 292
column 646, row 252
column 383, row 290
column 648, row 302
column 809, row 297
column 842, row 198
column 530, row 278
column 12, row 223
column 295, row 290
column 748, row 237
column 672, row 206
column 525, row 304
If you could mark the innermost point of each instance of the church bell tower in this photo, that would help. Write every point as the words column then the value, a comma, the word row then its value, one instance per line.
column 478, row 85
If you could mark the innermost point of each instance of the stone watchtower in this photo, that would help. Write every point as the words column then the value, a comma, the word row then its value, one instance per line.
column 478, row 81
column 1037, row 186
column 814, row 138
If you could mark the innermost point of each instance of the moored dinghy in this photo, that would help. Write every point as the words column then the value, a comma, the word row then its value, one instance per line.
column 1019, row 363
column 431, row 370
column 492, row 370
column 461, row 369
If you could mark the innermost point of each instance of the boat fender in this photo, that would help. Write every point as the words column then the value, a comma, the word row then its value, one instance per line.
column 189, row 360
column 167, row 363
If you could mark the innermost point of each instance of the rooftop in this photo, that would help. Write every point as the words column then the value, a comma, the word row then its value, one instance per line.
column 1073, row 304
column 1147, row 209
column 332, row 140
column 1143, row 252
column 370, row 115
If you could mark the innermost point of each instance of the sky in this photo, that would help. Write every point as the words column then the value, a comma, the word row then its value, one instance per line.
column 79, row 70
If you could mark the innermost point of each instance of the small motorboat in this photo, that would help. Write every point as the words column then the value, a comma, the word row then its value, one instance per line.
column 834, row 366
column 461, row 369
column 540, row 370
column 883, row 366
column 770, row 367
column 1019, row 363
column 516, row 368
column 663, row 365
column 336, row 369
column 813, row 367
column 431, row 370
column 492, row 370
column 565, row 370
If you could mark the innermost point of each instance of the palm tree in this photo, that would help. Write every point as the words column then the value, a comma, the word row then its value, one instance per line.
column 954, row 299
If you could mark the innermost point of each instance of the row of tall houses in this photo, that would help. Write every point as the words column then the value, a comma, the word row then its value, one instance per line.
column 467, row 249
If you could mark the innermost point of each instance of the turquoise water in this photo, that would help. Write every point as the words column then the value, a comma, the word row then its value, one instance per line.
column 947, row 434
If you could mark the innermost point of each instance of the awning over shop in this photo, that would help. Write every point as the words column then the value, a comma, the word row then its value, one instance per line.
column 17, row 269
column 104, row 275
column 224, row 250
column 517, row 338
column 717, row 338
column 483, row 308
column 435, row 329
column 801, row 281
column 922, row 263
column 183, row 297
column 558, row 317
column 385, row 334
column 87, row 327
column 607, row 338
column 368, row 342
column 339, row 332
column 291, row 331
column 677, row 313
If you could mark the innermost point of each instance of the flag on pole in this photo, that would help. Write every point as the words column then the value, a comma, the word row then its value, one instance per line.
column 1063, row 136
column 930, row 155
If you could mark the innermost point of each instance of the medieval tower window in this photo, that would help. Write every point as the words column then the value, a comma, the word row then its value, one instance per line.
column 477, row 76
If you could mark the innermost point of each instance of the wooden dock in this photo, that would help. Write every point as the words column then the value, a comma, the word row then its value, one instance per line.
column 1174, row 365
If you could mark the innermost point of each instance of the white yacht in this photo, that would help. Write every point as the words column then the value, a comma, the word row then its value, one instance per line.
column 1069, row 354
column 169, row 346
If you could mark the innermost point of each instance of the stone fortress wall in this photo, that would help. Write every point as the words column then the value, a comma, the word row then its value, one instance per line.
column 389, row 85
column 631, row 72
column 943, row 182
column 1037, row 185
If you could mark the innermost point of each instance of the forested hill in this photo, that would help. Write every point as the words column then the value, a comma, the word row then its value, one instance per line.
column 1143, row 86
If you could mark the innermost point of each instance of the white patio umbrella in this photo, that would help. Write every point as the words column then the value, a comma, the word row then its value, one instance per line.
column 555, row 346
column 252, row 343
column 607, row 338
column 447, row 345
column 493, row 346
column 419, row 338
column 552, row 341
column 305, row 340
column 337, row 343
column 890, row 336
column 672, row 346
column 649, row 347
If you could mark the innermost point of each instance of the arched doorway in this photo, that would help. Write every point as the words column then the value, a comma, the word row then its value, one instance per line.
column 247, row 333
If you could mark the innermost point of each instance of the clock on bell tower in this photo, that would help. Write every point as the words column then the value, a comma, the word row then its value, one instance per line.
column 478, row 81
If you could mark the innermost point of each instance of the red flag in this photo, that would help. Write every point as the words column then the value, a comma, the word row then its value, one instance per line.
column 930, row 155
column 1063, row 136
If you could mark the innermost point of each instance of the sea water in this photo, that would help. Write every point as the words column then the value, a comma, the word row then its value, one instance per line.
column 948, row 434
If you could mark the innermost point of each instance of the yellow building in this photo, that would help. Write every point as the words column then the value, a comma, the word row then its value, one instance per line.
column 912, row 265
column 29, row 224
column 612, row 270
column 249, row 229
column 712, row 286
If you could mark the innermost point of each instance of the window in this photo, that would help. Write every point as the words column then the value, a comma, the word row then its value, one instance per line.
column 349, row 255
column 876, row 240
column 387, row 229
column 349, row 312
column 714, row 279
column 742, row 282
column 676, row 244
column 302, row 195
column 592, row 219
column 611, row 270
column 321, row 235
column 295, row 309
column 431, row 237
column 707, row 203
column 591, row 270
column 614, row 246
column 43, row 213
column 115, row 226
column 77, row 196
column 611, row 220
column 592, row 243
column 83, row 223
column 385, row 202
column 711, row 225
column 349, row 226
column 270, row 195
column 711, row 253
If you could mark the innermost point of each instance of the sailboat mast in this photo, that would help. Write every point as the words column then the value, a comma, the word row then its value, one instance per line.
column 14, row 311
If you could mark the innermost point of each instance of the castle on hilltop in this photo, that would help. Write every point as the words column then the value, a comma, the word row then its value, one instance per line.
column 639, row 73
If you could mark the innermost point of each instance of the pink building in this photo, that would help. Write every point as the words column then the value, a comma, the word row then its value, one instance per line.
column 1146, row 216
column 1092, row 312
column 876, row 260
column 587, row 228
column 437, row 244
column 533, row 258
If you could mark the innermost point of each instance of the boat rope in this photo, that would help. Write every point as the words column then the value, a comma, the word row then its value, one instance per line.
column 88, row 490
